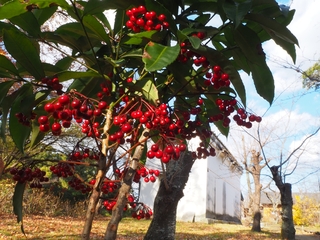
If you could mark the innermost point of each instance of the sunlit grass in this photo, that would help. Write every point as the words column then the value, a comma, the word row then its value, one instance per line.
column 39, row 227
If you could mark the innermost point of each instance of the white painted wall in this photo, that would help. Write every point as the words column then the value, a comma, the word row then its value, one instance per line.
column 212, row 191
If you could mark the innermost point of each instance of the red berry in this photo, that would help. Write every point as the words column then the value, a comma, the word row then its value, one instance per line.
column 154, row 147
column 225, row 77
column 216, row 69
column 182, row 147
column 44, row 127
column 162, row 17
column 49, row 107
column 169, row 149
column 142, row 9
column 83, row 108
column 76, row 104
column 200, row 101
column 150, row 154
column 140, row 22
column 126, row 128
column 102, row 105
column 56, row 127
column 129, row 24
column 152, row 179
column 165, row 25
column 156, row 172
column 258, row 119
column 159, row 154
column 64, row 100
column 43, row 120
column 146, row 179
column 97, row 112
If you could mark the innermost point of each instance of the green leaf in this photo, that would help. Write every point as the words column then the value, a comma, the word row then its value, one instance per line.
column 17, row 201
column 8, row 66
column 15, row 7
column 148, row 90
column 44, row 14
column 24, row 51
column 195, row 42
column 250, row 44
column 5, row 108
column 263, row 81
column 66, row 75
column 64, row 63
column 236, row 11
column 4, row 88
column 95, row 26
column 138, row 38
column 28, row 22
column 273, row 27
column 98, row 6
column 23, row 103
column 157, row 56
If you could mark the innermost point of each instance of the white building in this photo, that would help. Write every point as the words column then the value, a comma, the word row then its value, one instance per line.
column 212, row 191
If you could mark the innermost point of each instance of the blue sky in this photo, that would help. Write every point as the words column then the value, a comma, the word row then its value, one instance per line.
column 295, row 112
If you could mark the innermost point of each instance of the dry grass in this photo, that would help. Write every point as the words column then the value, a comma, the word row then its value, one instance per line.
column 40, row 227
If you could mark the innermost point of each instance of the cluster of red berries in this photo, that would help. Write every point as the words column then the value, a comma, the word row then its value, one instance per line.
column 169, row 152
column 242, row 118
column 53, row 83
column 79, row 185
column 186, row 54
column 62, row 169
column 141, row 211
column 216, row 78
column 203, row 152
column 140, row 19
column 24, row 119
column 78, row 155
column 109, row 204
column 64, row 110
column 147, row 175
column 108, row 186
column 34, row 176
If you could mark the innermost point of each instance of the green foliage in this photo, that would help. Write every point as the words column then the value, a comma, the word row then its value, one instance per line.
column 17, row 202
column 311, row 77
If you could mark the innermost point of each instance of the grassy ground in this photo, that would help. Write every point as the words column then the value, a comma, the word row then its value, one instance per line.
column 39, row 227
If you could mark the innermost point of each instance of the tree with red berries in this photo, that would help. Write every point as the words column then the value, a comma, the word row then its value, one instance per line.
column 166, row 72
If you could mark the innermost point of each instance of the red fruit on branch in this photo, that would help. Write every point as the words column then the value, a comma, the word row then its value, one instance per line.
column 64, row 100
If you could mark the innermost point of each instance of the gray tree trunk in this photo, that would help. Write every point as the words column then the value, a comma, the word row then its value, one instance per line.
column 163, row 224
column 288, row 231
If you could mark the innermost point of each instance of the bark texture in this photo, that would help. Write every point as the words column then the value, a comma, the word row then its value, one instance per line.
column 255, row 197
column 94, row 198
column 117, row 211
column 163, row 224
column 288, row 231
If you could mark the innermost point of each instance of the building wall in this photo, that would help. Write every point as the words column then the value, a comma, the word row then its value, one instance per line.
column 192, row 206
column 223, row 190
column 212, row 192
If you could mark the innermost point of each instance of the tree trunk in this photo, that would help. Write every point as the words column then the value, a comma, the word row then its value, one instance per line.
column 288, row 231
column 163, row 224
column 94, row 198
column 256, row 227
column 255, row 170
column 96, row 191
column 287, row 227
column 117, row 211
